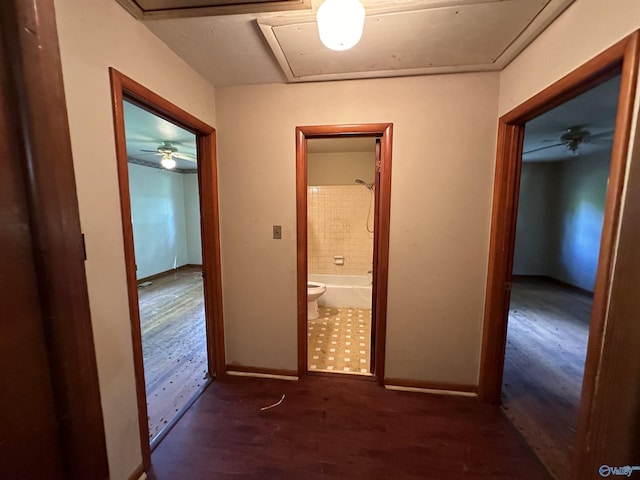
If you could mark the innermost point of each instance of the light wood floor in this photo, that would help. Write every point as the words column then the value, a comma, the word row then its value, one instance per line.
column 173, row 343
column 544, row 362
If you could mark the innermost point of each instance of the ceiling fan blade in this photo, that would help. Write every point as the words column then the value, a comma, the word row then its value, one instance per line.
column 602, row 135
column 151, row 151
column 543, row 148
column 184, row 156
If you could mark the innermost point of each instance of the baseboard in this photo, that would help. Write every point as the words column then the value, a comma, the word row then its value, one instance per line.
column 138, row 473
column 580, row 290
column 260, row 372
column 431, row 387
column 171, row 270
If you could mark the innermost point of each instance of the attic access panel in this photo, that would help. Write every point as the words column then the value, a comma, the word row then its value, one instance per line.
column 146, row 9
column 461, row 36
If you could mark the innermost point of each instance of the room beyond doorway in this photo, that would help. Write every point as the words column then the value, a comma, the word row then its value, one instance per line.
column 563, row 187
column 165, row 218
column 595, row 441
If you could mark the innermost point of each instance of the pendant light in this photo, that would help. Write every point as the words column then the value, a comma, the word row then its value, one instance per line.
column 340, row 23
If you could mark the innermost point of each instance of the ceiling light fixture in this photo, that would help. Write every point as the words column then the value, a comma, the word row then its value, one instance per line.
column 340, row 23
column 167, row 161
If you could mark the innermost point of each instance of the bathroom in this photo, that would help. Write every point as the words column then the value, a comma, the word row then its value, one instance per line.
column 340, row 226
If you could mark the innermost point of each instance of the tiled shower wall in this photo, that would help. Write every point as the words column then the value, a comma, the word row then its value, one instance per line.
column 337, row 225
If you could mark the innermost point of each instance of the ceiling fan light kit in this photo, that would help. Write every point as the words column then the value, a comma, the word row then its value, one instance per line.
column 167, row 161
column 340, row 23
column 574, row 137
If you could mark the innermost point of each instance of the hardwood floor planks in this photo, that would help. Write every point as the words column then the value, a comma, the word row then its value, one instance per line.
column 173, row 343
column 339, row 428
column 544, row 363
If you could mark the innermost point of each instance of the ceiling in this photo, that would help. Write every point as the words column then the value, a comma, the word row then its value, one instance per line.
column 594, row 110
column 146, row 131
column 401, row 37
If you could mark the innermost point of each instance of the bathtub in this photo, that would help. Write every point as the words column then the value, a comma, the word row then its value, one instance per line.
column 344, row 290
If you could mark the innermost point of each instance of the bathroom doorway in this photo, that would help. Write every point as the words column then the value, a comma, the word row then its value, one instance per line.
column 340, row 217
column 343, row 182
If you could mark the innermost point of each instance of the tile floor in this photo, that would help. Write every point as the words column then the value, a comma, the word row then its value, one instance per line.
column 339, row 341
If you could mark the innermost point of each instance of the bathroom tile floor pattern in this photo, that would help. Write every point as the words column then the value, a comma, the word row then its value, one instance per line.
column 339, row 340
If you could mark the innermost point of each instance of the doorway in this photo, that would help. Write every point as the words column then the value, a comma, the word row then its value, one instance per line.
column 165, row 218
column 620, row 59
column 334, row 315
column 172, row 259
column 340, row 218
column 563, row 184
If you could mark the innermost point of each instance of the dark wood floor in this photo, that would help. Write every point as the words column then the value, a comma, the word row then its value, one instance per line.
column 339, row 428
column 544, row 362
column 173, row 343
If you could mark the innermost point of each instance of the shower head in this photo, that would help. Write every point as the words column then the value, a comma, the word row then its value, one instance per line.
column 362, row 182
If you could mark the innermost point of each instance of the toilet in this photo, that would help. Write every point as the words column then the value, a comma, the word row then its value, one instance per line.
column 314, row 291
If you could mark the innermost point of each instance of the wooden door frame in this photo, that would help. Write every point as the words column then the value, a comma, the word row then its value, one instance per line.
column 29, row 39
column 621, row 58
column 384, row 131
column 124, row 87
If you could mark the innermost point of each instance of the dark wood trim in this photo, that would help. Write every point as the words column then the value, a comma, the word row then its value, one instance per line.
column 596, row 443
column 381, row 264
column 124, row 87
column 262, row 371
column 443, row 387
column 302, row 248
column 29, row 38
column 621, row 58
column 137, row 473
column 167, row 272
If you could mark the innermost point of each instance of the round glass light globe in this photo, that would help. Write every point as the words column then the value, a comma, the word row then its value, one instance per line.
column 340, row 23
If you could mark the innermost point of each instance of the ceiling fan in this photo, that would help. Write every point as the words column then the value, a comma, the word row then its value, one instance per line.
column 572, row 139
column 169, row 153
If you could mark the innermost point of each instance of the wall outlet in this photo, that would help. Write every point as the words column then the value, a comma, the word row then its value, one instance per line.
column 277, row 232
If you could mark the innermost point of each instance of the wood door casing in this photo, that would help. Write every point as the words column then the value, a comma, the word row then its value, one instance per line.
column 384, row 131
column 124, row 87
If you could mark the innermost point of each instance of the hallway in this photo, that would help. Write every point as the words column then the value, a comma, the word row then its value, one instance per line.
column 338, row 428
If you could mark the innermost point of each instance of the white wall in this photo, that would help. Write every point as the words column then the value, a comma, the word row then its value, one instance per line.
column 560, row 215
column 192, row 225
column 443, row 160
column 95, row 35
column 581, row 188
column 534, row 227
column 165, row 213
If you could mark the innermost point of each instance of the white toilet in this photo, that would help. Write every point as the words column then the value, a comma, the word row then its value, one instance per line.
column 314, row 291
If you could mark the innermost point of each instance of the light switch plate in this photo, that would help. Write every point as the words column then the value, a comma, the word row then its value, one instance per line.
column 277, row 232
